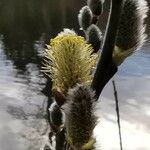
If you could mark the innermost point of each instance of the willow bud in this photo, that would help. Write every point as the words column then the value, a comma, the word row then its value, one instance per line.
column 131, row 33
column 96, row 6
column 56, row 116
column 80, row 117
column 94, row 37
column 85, row 17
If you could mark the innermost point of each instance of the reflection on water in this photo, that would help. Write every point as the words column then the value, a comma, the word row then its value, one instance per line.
column 21, row 104
column 23, row 23
column 25, row 27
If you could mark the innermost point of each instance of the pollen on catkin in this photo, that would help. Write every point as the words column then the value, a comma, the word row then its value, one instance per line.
column 69, row 60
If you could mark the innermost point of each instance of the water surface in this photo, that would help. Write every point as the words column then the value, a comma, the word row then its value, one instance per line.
column 25, row 28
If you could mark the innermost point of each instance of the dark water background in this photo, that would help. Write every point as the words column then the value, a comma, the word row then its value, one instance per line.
column 25, row 28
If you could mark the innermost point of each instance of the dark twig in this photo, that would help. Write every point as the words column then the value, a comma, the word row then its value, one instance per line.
column 108, row 46
column 60, row 140
column 118, row 114
column 95, row 20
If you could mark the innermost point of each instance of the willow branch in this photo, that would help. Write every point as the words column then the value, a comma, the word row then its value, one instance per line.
column 105, row 62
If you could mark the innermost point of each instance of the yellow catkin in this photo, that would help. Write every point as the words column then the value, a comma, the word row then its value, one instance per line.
column 68, row 61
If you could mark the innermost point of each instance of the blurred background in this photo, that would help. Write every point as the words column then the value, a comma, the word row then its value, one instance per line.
column 25, row 28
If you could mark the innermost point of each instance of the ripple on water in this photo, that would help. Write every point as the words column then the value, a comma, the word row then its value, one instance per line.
column 22, row 109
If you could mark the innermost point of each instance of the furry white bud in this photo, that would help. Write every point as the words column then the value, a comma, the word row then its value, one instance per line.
column 80, row 118
column 56, row 115
column 131, row 33
column 94, row 37
column 96, row 6
column 85, row 17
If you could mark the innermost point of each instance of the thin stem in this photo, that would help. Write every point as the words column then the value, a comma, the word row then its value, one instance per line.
column 95, row 20
column 60, row 140
column 108, row 46
column 118, row 113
